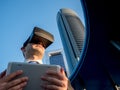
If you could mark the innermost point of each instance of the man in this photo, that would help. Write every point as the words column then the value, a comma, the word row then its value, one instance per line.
column 33, row 50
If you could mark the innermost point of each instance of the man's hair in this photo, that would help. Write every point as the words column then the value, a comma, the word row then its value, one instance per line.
column 40, row 35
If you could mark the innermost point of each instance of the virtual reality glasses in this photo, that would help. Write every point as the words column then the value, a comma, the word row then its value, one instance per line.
column 40, row 36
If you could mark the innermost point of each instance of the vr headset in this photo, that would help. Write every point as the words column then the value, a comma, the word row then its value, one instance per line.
column 39, row 35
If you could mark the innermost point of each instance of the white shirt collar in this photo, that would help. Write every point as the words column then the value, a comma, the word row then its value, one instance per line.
column 39, row 61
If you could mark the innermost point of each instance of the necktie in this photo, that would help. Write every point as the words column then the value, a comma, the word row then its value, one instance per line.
column 33, row 62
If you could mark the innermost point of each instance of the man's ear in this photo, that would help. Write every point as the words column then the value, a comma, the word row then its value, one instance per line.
column 22, row 48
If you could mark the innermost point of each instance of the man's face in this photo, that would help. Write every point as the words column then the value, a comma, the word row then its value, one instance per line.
column 34, row 49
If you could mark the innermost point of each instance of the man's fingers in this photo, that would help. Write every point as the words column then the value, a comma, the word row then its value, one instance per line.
column 17, row 84
column 60, row 75
column 18, row 87
column 17, row 81
column 54, row 81
column 13, row 75
column 62, row 71
column 2, row 74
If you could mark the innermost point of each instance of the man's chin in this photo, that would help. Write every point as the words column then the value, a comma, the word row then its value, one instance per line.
column 38, row 53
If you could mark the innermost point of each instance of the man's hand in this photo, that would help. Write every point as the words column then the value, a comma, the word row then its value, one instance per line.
column 56, row 80
column 7, row 82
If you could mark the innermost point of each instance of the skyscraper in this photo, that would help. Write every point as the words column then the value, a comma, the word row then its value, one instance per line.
column 72, row 34
column 56, row 57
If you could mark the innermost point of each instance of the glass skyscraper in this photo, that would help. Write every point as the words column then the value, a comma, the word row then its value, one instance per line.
column 56, row 57
column 72, row 34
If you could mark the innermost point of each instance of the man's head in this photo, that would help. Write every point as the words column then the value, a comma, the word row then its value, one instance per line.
column 40, row 35
column 37, row 42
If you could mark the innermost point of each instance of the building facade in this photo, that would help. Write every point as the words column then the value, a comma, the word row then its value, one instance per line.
column 72, row 34
column 57, row 57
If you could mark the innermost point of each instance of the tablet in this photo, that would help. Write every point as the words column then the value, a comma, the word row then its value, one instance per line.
column 32, row 71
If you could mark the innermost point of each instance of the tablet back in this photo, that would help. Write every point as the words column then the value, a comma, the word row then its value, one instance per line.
column 33, row 71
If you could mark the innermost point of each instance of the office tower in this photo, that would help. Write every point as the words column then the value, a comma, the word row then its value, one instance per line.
column 72, row 34
column 56, row 57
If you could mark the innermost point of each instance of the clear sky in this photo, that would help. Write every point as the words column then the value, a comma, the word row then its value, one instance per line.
column 18, row 18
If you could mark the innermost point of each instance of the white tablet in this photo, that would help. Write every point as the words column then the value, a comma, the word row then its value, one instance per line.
column 33, row 71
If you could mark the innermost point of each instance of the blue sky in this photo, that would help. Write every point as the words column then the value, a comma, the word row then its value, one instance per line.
column 18, row 18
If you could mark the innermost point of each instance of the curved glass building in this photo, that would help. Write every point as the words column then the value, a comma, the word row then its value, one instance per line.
column 72, row 34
